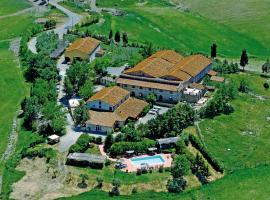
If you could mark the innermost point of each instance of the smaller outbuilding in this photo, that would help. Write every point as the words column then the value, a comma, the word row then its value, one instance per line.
column 166, row 143
column 86, row 160
column 217, row 79
column 53, row 139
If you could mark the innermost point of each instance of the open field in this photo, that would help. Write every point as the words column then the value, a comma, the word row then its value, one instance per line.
column 12, row 90
column 14, row 26
column 242, row 138
column 246, row 16
column 251, row 182
column 12, row 6
column 176, row 29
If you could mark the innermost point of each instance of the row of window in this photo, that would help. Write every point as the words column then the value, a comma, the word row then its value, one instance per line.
column 150, row 89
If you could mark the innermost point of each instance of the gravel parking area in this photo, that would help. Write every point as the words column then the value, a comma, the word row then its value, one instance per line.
column 148, row 116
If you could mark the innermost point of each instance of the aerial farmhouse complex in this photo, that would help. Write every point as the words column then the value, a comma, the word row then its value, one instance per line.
column 166, row 74
column 110, row 108
column 83, row 49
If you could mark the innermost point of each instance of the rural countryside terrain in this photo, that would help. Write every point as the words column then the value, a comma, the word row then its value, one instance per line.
column 134, row 99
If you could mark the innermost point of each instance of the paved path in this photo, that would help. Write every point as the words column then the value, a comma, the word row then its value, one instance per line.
column 73, row 19
column 18, row 13
column 32, row 45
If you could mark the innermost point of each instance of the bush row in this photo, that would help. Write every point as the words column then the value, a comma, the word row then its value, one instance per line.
column 207, row 155
column 120, row 148
column 83, row 143
column 47, row 153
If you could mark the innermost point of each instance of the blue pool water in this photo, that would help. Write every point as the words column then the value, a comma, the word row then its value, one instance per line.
column 150, row 160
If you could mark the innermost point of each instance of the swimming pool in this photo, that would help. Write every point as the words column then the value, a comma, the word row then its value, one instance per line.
column 150, row 160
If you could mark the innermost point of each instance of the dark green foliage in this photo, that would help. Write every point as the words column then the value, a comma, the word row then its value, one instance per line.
column 110, row 34
column 50, row 24
column 125, row 38
column 83, row 183
column 87, row 90
column 31, row 111
column 81, row 145
column 225, row 67
column 243, row 86
column 209, row 157
column 47, row 43
column 120, row 148
column 47, row 153
column 151, row 98
column 90, row 19
column 78, row 78
column 266, row 86
column 117, row 37
column 220, row 102
column 115, row 189
column 180, row 166
column 266, row 67
column 180, row 147
column 80, row 115
column 176, row 185
column 100, row 65
column 99, row 182
column 214, row 51
column 148, row 49
column 244, row 59
column 199, row 166
column 108, row 142
column 170, row 123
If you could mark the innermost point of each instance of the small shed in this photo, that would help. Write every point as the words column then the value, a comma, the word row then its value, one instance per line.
column 217, row 79
column 86, row 159
column 53, row 139
column 74, row 103
column 166, row 143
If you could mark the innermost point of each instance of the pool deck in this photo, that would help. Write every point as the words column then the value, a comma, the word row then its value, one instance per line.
column 133, row 168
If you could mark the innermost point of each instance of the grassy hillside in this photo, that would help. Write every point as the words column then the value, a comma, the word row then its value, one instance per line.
column 251, row 182
column 246, row 16
column 12, row 6
column 165, row 26
column 241, row 138
column 12, row 90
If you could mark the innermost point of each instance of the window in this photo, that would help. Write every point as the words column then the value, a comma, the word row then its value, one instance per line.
column 149, row 89
column 161, row 90
column 160, row 98
column 110, row 108
column 141, row 95
column 133, row 86
column 132, row 94
column 99, row 102
column 98, row 128
column 141, row 88
column 171, row 92
column 171, row 99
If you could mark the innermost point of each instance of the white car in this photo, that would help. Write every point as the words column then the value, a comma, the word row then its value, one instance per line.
column 151, row 112
column 157, row 107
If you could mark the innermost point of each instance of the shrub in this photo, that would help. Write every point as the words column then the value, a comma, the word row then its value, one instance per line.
column 211, row 160
column 266, row 86
column 81, row 145
column 134, row 190
column 99, row 182
column 176, row 185
column 139, row 172
column 161, row 169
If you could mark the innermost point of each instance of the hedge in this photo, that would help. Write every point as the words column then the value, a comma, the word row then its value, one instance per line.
column 82, row 143
column 207, row 155
column 120, row 148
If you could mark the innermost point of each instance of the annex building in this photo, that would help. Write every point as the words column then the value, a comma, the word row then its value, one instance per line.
column 110, row 108
column 83, row 49
column 166, row 74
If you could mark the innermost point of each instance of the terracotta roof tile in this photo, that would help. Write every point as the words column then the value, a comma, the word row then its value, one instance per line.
column 110, row 95
column 147, row 84
column 85, row 45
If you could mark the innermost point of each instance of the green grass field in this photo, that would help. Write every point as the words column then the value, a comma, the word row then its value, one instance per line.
column 14, row 26
column 12, row 90
column 12, row 6
column 253, row 184
column 249, row 17
column 167, row 27
column 241, row 138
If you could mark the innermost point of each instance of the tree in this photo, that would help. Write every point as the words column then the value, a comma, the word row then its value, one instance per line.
column 81, row 115
column 125, row 38
column 244, row 59
column 266, row 67
column 147, row 50
column 117, row 37
column 31, row 111
column 151, row 98
column 87, row 89
column 180, row 147
column 214, row 51
column 110, row 34
column 115, row 189
column 266, row 86
column 83, row 183
column 108, row 142
column 243, row 86
column 99, row 182
column 176, row 185
column 180, row 167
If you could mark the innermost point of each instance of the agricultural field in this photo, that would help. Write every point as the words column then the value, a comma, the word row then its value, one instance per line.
column 12, row 6
column 251, row 182
column 170, row 27
column 241, row 139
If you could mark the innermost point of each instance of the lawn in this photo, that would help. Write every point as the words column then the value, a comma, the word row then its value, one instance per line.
column 12, row 27
column 242, row 138
column 249, row 17
column 12, row 90
column 253, row 184
column 167, row 27
column 12, row 6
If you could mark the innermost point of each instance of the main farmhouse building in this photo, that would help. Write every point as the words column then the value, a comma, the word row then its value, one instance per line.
column 168, row 75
